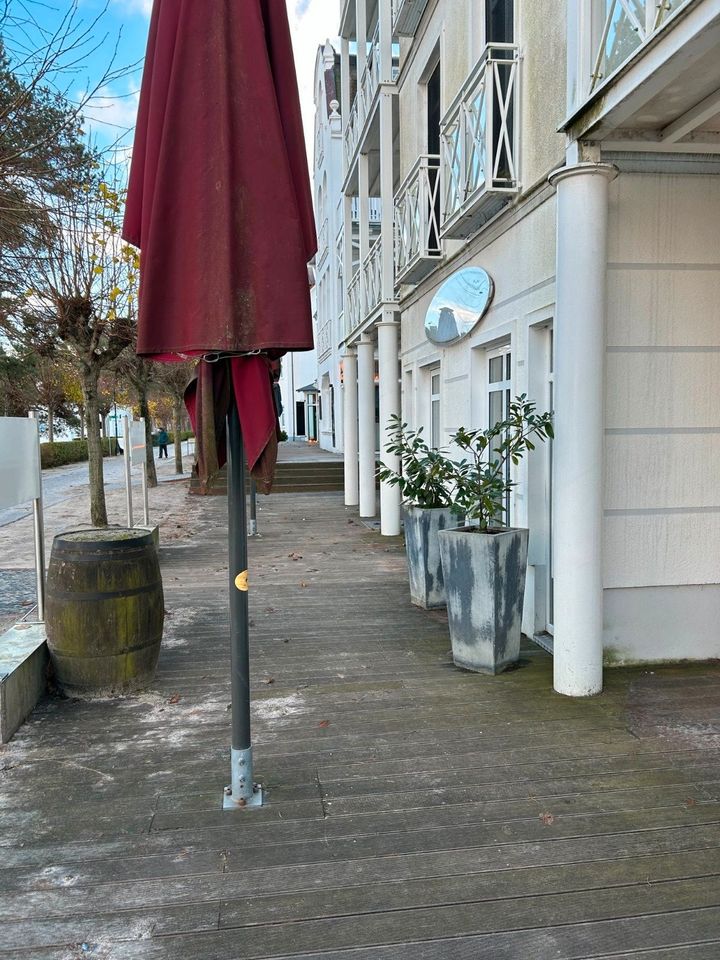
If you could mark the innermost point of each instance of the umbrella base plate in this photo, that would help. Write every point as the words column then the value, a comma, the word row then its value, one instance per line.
column 230, row 803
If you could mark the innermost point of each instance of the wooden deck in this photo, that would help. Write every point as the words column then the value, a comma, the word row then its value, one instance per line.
column 414, row 812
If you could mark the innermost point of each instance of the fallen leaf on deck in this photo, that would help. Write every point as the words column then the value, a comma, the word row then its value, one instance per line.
column 324, row 723
column 547, row 818
column 175, row 698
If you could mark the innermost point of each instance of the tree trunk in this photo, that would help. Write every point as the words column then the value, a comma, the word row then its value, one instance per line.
column 98, row 508
column 177, row 430
column 51, row 426
column 81, row 412
column 145, row 414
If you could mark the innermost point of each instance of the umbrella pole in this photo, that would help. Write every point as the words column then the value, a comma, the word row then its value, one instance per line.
column 243, row 791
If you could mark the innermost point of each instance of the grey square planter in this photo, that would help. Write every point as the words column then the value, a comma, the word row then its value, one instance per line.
column 422, row 525
column 484, row 586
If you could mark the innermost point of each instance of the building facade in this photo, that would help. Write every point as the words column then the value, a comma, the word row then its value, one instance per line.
column 574, row 158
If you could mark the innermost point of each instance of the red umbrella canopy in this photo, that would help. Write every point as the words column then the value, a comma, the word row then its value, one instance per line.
column 219, row 202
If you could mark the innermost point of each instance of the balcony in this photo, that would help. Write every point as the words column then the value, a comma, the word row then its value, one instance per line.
column 406, row 15
column 478, row 143
column 324, row 340
column 655, row 84
column 364, row 292
column 322, row 250
column 367, row 88
column 628, row 24
column 417, row 222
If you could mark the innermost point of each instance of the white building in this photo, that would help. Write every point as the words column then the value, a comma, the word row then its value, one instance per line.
column 576, row 161
column 329, row 262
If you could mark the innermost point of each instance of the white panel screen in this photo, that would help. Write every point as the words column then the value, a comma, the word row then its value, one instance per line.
column 19, row 461
column 137, row 442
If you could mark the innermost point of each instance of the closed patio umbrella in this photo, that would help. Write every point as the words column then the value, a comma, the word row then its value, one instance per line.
column 219, row 203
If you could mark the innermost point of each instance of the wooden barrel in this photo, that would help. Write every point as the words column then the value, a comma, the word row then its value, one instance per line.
column 104, row 610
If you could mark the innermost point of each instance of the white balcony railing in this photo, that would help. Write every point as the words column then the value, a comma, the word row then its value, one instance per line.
column 324, row 340
column 354, row 316
column 364, row 292
column 406, row 15
column 478, row 143
column 627, row 24
column 365, row 96
column 372, row 278
column 417, row 221
column 323, row 238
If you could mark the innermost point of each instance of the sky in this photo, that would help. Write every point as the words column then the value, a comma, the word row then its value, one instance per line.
column 113, row 111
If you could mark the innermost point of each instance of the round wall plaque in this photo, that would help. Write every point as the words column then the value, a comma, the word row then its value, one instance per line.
column 459, row 305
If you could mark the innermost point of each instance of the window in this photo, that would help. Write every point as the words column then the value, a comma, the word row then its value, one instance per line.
column 435, row 409
column 499, row 397
column 499, row 27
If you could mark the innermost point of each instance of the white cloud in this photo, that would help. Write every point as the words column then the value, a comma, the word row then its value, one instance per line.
column 143, row 7
column 112, row 112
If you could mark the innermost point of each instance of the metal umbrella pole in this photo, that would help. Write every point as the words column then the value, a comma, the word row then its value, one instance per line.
column 243, row 791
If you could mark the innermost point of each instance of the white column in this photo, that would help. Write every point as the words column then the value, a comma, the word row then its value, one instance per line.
column 364, row 205
column 361, row 36
column 366, row 425
column 582, row 213
column 350, row 427
column 389, row 375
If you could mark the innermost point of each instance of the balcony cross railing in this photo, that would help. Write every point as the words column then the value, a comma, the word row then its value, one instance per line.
column 417, row 221
column 364, row 292
column 478, row 139
column 627, row 24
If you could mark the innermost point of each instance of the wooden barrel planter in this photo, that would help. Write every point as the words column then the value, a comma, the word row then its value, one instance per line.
column 104, row 610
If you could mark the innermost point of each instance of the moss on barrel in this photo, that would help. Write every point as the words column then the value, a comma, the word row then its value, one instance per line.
column 104, row 610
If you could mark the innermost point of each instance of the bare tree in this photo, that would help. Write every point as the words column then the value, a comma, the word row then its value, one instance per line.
column 81, row 291
column 43, row 149
column 139, row 373
column 172, row 379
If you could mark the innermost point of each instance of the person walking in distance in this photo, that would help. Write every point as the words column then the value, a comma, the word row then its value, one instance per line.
column 162, row 439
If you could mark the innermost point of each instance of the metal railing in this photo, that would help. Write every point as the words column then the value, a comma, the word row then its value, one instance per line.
column 417, row 220
column 363, row 100
column 627, row 24
column 364, row 292
column 372, row 278
column 478, row 142
column 355, row 315
column 323, row 237
column 324, row 339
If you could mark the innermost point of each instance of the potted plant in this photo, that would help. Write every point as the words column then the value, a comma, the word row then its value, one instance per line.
column 484, row 562
column 424, row 479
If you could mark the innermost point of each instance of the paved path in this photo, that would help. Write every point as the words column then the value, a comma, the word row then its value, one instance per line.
column 414, row 811
column 62, row 483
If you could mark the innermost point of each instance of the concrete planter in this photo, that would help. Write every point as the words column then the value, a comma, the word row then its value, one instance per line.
column 484, row 586
column 422, row 525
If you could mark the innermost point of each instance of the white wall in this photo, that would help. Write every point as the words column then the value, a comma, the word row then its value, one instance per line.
column 662, row 499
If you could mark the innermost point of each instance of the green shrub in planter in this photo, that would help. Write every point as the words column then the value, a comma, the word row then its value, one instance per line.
column 424, row 481
column 484, row 564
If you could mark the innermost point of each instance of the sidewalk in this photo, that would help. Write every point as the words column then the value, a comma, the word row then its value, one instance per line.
column 413, row 811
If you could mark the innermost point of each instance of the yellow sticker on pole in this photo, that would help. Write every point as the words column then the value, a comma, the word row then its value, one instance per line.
column 241, row 581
